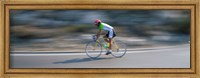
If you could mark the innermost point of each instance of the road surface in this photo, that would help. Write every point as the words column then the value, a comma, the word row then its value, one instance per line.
column 169, row 57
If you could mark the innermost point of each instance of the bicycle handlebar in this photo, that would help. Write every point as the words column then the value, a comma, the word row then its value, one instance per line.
column 94, row 37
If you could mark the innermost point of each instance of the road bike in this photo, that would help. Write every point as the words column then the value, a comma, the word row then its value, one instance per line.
column 94, row 48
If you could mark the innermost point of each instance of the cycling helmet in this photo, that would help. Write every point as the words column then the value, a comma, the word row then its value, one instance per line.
column 97, row 21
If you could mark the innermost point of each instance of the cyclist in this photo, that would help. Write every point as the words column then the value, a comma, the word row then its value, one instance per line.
column 109, row 36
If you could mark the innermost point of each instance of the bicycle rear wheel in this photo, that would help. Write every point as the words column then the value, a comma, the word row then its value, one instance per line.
column 118, row 49
column 93, row 50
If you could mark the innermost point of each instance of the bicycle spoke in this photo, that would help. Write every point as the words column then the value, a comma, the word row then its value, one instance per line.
column 93, row 49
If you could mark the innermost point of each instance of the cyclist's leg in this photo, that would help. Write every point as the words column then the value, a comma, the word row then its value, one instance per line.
column 110, row 36
column 110, row 45
column 114, row 35
column 106, row 37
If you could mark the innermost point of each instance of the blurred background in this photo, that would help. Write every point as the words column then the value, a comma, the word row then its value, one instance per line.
column 70, row 30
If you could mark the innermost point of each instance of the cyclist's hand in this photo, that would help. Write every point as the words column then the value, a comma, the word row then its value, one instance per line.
column 94, row 37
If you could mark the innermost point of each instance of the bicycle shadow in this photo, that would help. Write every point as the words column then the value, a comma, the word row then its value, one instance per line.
column 78, row 60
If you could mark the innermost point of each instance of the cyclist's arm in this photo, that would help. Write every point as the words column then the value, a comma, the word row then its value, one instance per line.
column 99, row 33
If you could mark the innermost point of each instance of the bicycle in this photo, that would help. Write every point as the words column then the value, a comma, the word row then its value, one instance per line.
column 94, row 49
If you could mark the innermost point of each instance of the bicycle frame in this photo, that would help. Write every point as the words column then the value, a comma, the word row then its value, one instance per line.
column 94, row 49
column 113, row 41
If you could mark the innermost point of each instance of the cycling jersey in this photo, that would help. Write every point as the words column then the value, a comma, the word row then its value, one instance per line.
column 104, row 26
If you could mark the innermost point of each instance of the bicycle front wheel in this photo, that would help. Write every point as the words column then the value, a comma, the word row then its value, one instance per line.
column 93, row 50
column 118, row 49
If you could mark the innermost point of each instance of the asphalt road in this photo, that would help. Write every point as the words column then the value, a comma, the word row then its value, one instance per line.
column 169, row 57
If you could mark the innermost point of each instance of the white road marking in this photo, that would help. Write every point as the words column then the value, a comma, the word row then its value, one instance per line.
column 65, row 54
column 52, row 54
column 83, row 53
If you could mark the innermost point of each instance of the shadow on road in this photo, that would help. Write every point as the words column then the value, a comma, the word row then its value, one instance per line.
column 78, row 60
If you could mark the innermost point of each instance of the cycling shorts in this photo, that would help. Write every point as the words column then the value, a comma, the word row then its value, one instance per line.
column 111, row 34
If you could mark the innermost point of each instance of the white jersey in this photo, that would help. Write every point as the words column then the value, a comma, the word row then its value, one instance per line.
column 104, row 26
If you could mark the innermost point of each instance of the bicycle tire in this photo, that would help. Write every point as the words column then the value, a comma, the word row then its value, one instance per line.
column 119, row 50
column 93, row 49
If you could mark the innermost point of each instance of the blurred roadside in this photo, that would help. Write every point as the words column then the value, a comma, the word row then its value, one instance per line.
column 70, row 30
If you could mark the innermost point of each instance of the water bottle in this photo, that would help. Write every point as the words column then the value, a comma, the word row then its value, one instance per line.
column 105, row 45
